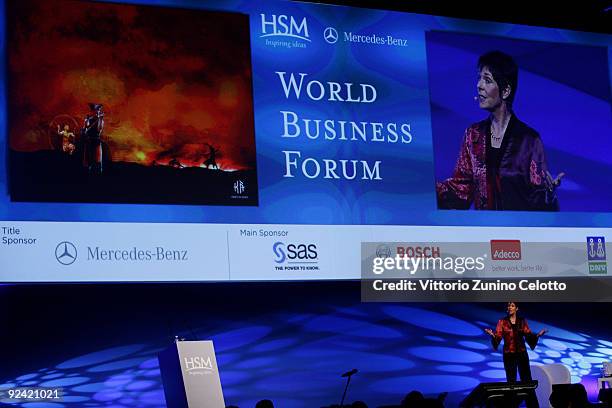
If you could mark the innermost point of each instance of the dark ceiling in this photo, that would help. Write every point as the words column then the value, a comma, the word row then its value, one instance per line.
column 583, row 15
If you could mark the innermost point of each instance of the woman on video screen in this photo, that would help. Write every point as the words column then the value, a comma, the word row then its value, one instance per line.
column 501, row 164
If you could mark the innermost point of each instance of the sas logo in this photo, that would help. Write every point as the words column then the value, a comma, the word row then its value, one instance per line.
column 284, row 26
column 506, row 249
column 295, row 253
column 195, row 365
column 596, row 255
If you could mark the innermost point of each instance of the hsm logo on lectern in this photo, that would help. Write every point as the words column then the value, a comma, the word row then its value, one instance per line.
column 284, row 26
column 198, row 365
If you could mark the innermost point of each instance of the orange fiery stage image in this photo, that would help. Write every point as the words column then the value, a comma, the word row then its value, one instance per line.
column 110, row 103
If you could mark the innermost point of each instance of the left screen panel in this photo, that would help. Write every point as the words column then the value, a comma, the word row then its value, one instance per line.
column 114, row 103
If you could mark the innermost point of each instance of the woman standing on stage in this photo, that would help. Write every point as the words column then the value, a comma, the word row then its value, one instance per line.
column 515, row 330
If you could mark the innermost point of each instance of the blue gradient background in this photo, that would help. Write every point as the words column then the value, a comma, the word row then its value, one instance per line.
column 284, row 345
column 406, row 196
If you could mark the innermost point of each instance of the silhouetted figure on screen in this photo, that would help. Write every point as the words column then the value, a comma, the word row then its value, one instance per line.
column 212, row 157
column 175, row 163
column 91, row 136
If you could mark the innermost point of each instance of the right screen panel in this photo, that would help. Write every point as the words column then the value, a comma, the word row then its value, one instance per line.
column 561, row 103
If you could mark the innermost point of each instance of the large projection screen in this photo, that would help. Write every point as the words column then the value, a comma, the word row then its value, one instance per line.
column 270, row 140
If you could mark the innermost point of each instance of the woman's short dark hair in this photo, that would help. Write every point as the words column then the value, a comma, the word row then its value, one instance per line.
column 513, row 302
column 504, row 71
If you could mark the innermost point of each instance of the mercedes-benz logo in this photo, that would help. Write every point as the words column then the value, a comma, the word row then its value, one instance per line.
column 331, row 35
column 65, row 253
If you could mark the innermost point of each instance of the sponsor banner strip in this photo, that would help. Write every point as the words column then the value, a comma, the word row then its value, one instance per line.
column 115, row 252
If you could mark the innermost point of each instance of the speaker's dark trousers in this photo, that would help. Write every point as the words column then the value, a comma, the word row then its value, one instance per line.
column 519, row 360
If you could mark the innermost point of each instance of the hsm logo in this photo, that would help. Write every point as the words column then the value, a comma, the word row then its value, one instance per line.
column 506, row 250
column 295, row 253
column 285, row 26
column 198, row 363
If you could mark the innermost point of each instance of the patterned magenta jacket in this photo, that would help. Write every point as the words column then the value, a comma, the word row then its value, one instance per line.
column 514, row 336
column 513, row 177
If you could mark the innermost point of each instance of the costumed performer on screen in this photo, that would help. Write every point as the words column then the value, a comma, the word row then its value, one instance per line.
column 91, row 135
column 514, row 330
column 501, row 164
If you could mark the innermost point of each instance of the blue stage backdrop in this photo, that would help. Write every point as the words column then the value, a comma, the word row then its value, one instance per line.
column 273, row 341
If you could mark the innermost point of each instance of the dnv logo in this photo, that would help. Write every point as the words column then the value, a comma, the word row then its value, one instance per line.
column 239, row 187
column 284, row 26
column 596, row 255
column 596, row 248
column 65, row 253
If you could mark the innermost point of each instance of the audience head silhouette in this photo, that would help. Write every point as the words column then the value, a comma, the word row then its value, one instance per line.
column 264, row 404
column 412, row 399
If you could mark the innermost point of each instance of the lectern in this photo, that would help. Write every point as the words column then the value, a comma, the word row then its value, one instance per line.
column 502, row 394
column 190, row 375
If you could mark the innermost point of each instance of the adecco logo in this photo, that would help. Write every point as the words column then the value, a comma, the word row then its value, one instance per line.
column 505, row 249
